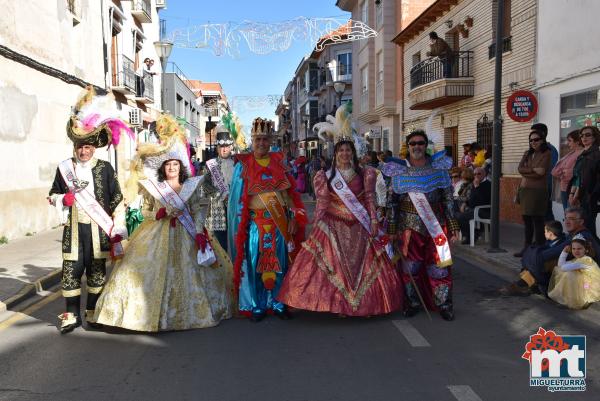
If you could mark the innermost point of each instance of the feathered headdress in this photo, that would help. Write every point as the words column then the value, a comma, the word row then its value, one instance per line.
column 341, row 128
column 150, row 156
column 96, row 121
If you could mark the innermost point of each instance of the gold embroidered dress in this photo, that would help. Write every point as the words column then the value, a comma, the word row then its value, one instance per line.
column 158, row 285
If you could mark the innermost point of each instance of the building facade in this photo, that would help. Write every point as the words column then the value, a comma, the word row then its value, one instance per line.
column 377, row 72
column 50, row 51
column 464, row 96
column 568, row 92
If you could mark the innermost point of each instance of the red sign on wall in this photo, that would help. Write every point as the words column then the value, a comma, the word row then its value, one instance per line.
column 522, row 106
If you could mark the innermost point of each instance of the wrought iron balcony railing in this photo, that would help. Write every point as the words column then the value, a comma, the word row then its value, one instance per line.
column 124, row 75
column 433, row 69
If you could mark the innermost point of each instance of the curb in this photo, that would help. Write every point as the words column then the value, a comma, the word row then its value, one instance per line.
column 32, row 289
column 490, row 265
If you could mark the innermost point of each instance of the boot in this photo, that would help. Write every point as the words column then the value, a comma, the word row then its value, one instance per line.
column 447, row 312
column 69, row 322
column 89, row 320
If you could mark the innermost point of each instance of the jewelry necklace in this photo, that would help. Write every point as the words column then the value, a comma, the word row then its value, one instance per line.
column 347, row 174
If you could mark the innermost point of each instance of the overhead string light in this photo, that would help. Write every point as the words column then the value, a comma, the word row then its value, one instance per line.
column 264, row 38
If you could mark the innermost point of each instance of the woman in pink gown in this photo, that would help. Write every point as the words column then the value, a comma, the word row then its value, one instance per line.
column 341, row 267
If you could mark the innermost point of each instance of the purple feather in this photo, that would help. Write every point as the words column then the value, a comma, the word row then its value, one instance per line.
column 116, row 126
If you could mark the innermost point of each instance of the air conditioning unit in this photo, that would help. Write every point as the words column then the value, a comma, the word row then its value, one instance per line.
column 161, row 3
column 135, row 118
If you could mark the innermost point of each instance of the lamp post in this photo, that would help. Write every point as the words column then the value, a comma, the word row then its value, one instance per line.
column 339, row 87
column 163, row 50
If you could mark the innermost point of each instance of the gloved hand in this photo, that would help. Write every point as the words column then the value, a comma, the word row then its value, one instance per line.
column 116, row 238
column 162, row 212
column 201, row 241
column 68, row 199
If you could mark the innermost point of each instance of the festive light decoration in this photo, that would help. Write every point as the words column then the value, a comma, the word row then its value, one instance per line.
column 249, row 103
column 264, row 38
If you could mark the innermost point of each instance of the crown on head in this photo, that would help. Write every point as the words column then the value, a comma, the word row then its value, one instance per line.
column 580, row 237
column 262, row 127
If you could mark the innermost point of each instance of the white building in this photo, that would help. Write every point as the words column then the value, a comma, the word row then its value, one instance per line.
column 50, row 50
column 567, row 67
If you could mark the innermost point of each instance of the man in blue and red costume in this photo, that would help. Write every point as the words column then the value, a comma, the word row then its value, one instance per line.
column 266, row 225
column 421, row 217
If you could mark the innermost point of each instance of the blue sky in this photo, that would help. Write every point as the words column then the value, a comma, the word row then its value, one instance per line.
column 250, row 74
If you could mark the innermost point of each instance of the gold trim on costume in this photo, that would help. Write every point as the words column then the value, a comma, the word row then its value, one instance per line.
column 74, row 254
column 95, row 290
column 71, row 293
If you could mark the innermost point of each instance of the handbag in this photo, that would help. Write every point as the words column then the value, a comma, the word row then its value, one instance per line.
column 206, row 257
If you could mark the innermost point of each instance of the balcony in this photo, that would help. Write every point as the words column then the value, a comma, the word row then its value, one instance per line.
column 435, row 83
column 506, row 47
column 144, row 90
column 142, row 10
column 123, row 76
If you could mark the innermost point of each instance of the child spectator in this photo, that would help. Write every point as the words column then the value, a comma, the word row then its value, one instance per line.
column 576, row 283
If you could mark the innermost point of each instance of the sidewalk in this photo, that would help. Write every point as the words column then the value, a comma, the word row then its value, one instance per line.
column 29, row 265
column 503, row 264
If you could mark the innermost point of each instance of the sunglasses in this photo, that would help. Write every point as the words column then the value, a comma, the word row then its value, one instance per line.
column 587, row 135
column 535, row 140
column 417, row 143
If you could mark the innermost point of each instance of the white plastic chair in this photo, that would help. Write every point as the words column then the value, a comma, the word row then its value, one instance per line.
column 476, row 222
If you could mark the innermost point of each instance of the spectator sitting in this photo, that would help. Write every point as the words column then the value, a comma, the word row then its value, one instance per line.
column 535, row 274
column 466, row 160
column 480, row 195
column 576, row 283
column 457, row 181
column 465, row 189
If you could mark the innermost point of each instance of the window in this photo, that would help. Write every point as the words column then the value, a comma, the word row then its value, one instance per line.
column 576, row 111
column 386, row 139
column 364, row 74
column 378, row 14
column 364, row 12
column 506, row 34
column 416, row 58
column 344, row 61
column 379, row 83
column 485, row 131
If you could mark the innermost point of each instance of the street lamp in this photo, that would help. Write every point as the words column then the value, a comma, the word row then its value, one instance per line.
column 163, row 50
column 339, row 87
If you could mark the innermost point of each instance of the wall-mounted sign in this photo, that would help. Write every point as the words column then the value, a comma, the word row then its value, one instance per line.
column 522, row 106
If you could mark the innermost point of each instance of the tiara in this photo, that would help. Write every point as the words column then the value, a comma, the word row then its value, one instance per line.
column 579, row 237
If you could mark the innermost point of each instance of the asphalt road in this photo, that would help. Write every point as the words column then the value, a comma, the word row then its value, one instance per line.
column 312, row 357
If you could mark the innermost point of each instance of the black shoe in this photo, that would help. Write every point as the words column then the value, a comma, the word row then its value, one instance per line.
column 284, row 314
column 447, row 314
column 89, row 316
column 410, row 311
column 257, row 317
column 69, row 322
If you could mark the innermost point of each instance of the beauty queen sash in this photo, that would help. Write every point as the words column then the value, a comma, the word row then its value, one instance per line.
column 434, row 228
column 217, row 176
column 350, row 200
column 89, row 204
column 168, row 197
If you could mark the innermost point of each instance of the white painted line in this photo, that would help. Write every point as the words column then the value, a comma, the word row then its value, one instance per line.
column 464, row 393
column 411, row 334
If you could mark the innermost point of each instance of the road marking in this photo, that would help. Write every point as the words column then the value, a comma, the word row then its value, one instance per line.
column 17, row 316
column 464, row 393
column 411, row 334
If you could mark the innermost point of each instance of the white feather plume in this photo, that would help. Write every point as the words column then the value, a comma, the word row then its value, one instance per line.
column 435, row 137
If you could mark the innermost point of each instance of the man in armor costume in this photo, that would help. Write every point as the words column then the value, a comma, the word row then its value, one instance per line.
column 266, row 225
column 87, row 196
column 219, row 172
column 421, row 218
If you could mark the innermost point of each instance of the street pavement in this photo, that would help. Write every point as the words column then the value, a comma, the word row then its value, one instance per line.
column 312, row 357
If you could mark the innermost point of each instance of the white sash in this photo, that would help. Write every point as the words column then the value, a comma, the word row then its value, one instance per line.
column 352, row 203
column 433, row 226
column 88, row 203
column 217, row 176
column 168, row 197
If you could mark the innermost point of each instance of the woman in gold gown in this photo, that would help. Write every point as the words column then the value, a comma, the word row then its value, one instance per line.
column 159, row 285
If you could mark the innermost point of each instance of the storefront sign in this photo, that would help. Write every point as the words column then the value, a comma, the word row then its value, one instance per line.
column 522, row 106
